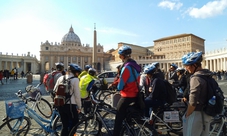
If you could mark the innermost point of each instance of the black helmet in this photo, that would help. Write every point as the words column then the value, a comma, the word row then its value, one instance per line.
column 87, row 67
column 91, row 71
column 181, row 70
column 59, row 66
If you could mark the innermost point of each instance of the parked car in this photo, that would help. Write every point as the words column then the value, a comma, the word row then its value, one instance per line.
column 108, row 75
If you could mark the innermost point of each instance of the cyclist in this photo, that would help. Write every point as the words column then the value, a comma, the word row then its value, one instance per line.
column 158, row 71
column 172, row 75
column 69, row 112
column 145, row 82
column 86, row 85
column 195, row 118
column 181, row 84
column 56, row 74
column 127, row 86
column 85, row 71
column 157, row 89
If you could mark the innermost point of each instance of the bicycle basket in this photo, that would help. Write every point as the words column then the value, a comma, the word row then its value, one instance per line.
column 15, row 108
column 32, row 91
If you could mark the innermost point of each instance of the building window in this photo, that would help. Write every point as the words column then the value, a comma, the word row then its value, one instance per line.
column 61, row 58
column 86, row 59
column 46, row 58
column 47, row 48
column 98, row 50
column 74, row 59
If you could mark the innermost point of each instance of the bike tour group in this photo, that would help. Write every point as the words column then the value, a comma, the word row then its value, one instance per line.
column 130, row 81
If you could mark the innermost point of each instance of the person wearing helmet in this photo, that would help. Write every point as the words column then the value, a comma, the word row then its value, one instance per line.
column 70, row 110
column 195, row 118
column 172, row 75
column 55, row 74
column 85, row 72
column 157, row 90
column 145, row 82
column 181, row 84
column 159, row 73
column 127, row 85
column 86, row 83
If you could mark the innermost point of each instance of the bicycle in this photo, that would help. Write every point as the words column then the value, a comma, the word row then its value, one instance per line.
column 17, row 124
column 134, row 125
column 218, row 124
column 37, row 101
column 168, row 118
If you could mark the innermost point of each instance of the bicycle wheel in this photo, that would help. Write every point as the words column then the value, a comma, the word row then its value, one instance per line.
column 57, row 125
column 18, row 126
column 87, row 127
column 106, row 97
column 44, row 108
column 138, row 128
column 109, row 120
column 163, row 126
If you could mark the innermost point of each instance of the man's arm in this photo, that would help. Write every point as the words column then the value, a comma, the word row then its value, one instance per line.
column 189, row 110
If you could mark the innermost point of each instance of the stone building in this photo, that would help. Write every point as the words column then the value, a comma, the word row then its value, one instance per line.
column 71, row 50
column 166, row 50
column 24, row 62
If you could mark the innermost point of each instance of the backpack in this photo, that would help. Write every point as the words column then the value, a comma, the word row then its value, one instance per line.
column 48, row 80
column 62, row 93
column 213, row 89
column 171, row 93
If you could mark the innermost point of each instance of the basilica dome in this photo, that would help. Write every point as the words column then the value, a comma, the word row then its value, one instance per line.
column 71, row 37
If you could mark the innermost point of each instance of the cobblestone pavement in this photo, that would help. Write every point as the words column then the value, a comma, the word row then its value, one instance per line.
column 8, row 90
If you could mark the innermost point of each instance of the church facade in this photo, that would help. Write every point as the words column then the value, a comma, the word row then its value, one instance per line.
column 71, row 50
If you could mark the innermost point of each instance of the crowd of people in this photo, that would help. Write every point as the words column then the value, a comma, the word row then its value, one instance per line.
column 192, row 88
column 10, row 75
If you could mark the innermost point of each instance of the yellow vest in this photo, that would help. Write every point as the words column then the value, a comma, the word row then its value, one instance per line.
column 82, row 74
column 84, row 81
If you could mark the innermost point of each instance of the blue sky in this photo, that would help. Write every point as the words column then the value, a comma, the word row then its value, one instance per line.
column 24, row 24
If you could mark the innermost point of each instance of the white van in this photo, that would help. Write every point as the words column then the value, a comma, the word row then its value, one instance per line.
column 108, row 75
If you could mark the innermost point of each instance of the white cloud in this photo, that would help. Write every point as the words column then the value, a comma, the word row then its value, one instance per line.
column 170, row 4
column 209, row 10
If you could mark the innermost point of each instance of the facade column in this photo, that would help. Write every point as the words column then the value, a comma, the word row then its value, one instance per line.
column 6, row 65
column 11, row 65
column 207, row 64
column 219, row 64
column 214, row 64
column 224, row 64
column 211, row 65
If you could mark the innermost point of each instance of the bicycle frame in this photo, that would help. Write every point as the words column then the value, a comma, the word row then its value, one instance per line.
column 108, row 109
column 40, row 120
column 48, row 128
